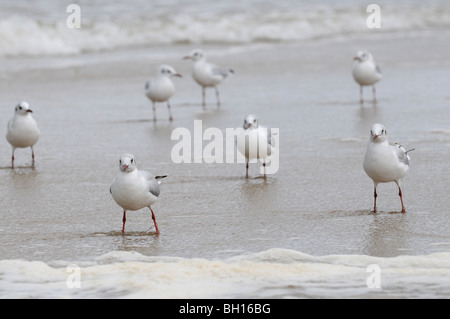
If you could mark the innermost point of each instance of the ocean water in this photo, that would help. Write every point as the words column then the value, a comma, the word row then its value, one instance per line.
column 305, row 232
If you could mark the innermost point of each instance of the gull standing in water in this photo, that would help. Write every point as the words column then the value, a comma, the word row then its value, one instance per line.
column 161, row 88
column 207, row 74
column 366, row 72
column 255, row 142
column 22, row 130
column 385, row 163
column 133, row 189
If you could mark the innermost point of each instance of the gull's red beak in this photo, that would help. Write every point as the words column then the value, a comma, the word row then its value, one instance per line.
column 178, row 74
column 29, row 111
column 357, row 58
column 187, row 57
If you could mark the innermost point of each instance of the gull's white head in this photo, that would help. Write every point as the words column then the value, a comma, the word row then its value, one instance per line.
column 250, row 122
column 127, row 163
column 195, row 55
column 362, row 56
column 23, row 108
column 167, row 71
column 378, row 133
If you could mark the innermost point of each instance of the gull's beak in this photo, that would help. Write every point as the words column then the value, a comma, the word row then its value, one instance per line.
column 178, row 75
column 375, row 136
column 125, row 167
column 29, row 111
column 357, row 58
column 187, row 57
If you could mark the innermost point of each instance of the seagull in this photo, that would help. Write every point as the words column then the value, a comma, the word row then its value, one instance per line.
column 255, row 142
column 133, row 189
column 384, row 162
column 161, row 88
column 207, row 74
column 22, row 130
column 366, row 72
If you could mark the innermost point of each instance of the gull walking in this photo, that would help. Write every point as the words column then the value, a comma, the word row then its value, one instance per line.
column 255, row 142
column 366, row 72
column 385, row 163
column 133, row 189
column 207, row 74
column 161, row 88
column 22, row 130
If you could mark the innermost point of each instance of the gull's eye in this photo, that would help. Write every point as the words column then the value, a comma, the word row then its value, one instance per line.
column 20, row 108
column 254, row 121
column 120, row 162
column 132, row 161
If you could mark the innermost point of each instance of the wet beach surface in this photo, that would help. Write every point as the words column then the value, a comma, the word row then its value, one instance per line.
column 92, row 109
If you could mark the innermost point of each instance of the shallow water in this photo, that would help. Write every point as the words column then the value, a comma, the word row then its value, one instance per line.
column 92, row 108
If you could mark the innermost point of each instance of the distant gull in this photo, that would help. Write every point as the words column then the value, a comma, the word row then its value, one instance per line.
column 207, row 74
column 22, row 130
column 161, row 88
column 366, row 72
column 133, row 189
column 255, row 142
column 385, row 163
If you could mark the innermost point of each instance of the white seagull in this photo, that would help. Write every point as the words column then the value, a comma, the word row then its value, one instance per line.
column 255, row 142
column 133, row 189
column 22, row 130
column 207, row 74
column 385, row 163
column 366, row 72
column 161, row 88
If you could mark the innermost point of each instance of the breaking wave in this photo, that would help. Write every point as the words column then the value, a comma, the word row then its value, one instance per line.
column 275, row 273
column 28, row 34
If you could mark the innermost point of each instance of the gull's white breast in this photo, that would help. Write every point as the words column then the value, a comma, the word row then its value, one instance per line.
column 161, row 89
column 365, row 73
column 22, row 131
column 382, row 165
column 252, row 143
column 131, row 191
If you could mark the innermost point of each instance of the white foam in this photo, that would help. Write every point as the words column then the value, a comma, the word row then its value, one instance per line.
column 275, row 272
column 32, row 35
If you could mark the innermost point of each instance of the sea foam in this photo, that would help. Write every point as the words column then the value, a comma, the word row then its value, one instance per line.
column 33, row 35
column 275, row 273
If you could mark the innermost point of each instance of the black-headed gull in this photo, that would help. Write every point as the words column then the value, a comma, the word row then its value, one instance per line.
column 133, row 189
column 385, row 163
column 366, row 72
column 207, row 74
column 255, row 142
column 22, row 130
column 161, row 88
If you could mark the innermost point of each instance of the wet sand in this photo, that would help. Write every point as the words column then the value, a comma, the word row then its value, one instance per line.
column 92, row 108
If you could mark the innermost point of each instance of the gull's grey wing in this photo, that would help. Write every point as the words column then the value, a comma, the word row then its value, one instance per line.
column 378, row 69
column 270, row 138
column 224, row 72
column 153, row 185
column 402, row 154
